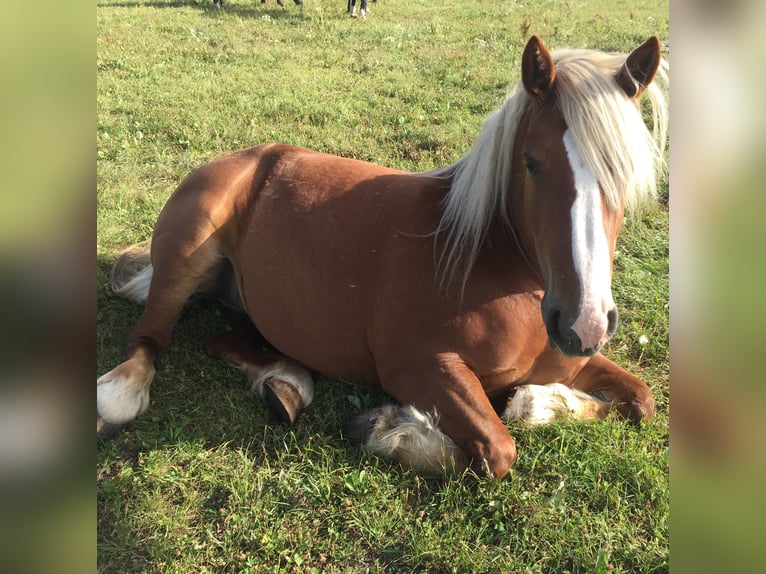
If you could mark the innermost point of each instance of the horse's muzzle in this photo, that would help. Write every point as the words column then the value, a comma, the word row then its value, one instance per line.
column 563, row 337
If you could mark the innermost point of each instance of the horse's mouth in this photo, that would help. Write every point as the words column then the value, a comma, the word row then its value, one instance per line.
column 572, row 347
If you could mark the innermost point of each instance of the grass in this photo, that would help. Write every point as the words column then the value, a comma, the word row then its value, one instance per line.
column 206, row 480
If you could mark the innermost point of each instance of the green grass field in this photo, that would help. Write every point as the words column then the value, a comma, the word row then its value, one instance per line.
column 206, row 480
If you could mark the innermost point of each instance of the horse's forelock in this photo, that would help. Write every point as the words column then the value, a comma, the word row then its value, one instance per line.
column 611, row 136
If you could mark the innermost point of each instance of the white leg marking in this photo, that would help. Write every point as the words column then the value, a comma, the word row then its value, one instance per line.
column 412, row 438
column 590, row 250
column 123, row 393
column 542, row 404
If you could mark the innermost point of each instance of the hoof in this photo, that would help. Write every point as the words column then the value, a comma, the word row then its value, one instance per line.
column 106, row 430
column 283, row 398
column 640, row 411
column 360, row 428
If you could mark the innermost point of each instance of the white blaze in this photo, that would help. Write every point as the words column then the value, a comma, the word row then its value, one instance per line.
column 590, row 251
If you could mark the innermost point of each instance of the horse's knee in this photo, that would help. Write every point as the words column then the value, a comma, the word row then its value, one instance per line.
column 627, row 394
column 635, row 404
column 642, row 406
column 499, row 458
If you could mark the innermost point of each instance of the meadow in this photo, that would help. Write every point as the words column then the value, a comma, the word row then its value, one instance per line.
column 207, row 480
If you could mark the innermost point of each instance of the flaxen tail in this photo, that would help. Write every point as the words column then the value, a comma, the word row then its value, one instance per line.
column 132, row 272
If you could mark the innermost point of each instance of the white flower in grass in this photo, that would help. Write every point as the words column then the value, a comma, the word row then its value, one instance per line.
column 643, row 340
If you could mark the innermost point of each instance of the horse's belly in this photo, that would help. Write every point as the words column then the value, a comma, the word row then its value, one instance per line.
column 307, row 305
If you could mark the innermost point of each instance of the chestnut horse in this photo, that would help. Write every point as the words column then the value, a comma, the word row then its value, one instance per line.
column 483, row 285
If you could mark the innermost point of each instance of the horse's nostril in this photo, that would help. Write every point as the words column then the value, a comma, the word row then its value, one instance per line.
column 552, row 323
column 611, row 317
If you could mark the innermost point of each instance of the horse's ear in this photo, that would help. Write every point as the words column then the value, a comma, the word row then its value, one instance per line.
column 537, row 71
column 639, row 68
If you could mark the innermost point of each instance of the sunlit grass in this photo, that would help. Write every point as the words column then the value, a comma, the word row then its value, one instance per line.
column 207, row 481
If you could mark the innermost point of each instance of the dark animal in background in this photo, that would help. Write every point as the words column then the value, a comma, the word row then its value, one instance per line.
column 219, row 3
column 363, row 11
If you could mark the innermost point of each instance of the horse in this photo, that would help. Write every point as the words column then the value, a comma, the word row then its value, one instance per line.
column 474, row 294
column 363, row 10
column 281, row 3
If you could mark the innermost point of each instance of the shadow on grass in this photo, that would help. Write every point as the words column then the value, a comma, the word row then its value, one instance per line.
column 198, row 399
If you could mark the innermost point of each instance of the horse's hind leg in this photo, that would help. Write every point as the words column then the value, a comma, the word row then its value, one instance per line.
column 183, row 257
column 628, row 395
column 285, row 385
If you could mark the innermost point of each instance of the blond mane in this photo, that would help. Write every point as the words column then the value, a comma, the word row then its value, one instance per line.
column 611, row 137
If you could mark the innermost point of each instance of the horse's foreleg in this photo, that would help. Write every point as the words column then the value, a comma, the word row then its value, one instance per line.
column 469, row 432
column 123, row 393
column 543, row 404
column 628, row 395
column 180, row 264
column 285, row 385
column 409, row 436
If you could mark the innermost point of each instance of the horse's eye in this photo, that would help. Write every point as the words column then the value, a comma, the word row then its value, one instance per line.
column 532, row 166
